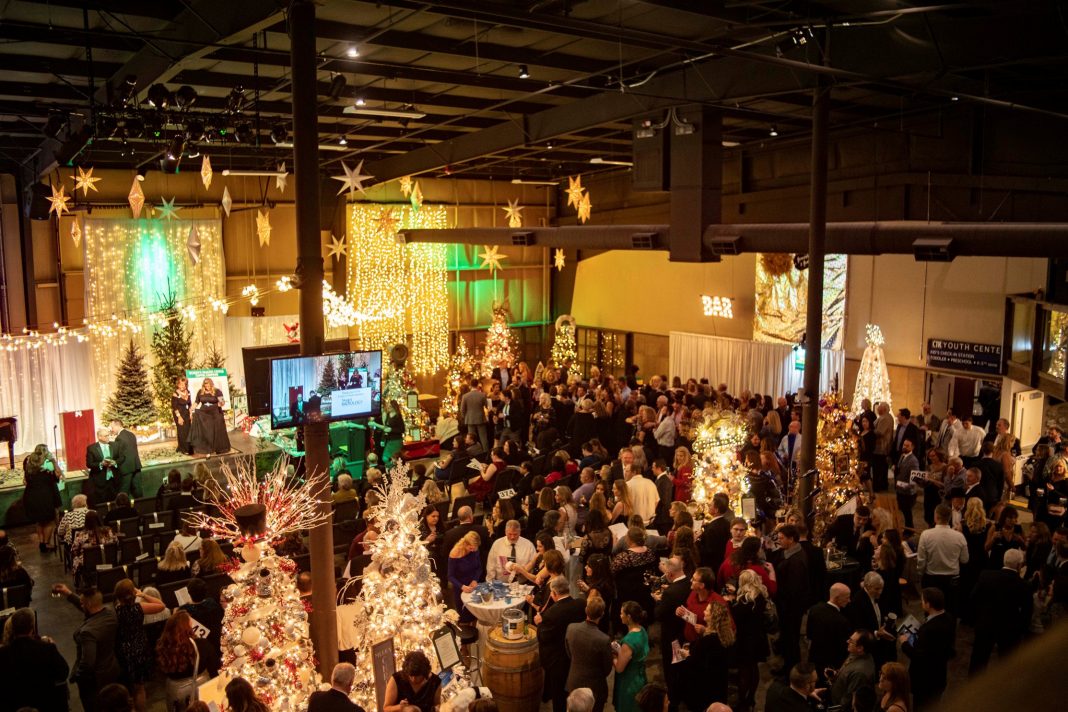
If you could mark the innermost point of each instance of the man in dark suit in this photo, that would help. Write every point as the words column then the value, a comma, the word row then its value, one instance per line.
column 793, row 597
column 973, row 487
column 715, row 534
column 552, row 632
column 34, row 668
column 992, row 474
column 1003, row 605
column 795, row 696
column 905, row 430
column 906, row 490
column 866, row 613
column 590, row 650
column 96, row 665
column 665, row 488
column 512, row 416
column 336, row 699
column 930, row 649
column 467, row 524
column 473, row 413
column 671, row 626
column 100, row 467
column 850, row 534
column 828, row 630
column 127, row 458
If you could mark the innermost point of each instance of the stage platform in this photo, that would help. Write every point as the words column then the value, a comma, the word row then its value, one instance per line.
column 157, row 459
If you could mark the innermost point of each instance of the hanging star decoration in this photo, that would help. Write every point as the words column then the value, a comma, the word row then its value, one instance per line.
column 416, row 197
column 491, row 257
column 76, row 232
column 574, row 191
column 515, row 213
column 281, row 177
column 205, row 171
column 337, row 248
column 136, row 198
column 192, row 244
column 584, row 208
column 168, row 211
column 406, row 186
column 226, row 201
column 353, row 179
column 85, row 181
column 559, row 260
column 386, row 222
column 59, row 201
column 263, row 227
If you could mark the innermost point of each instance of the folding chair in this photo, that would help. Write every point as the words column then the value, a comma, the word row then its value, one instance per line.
column 15, row 596
column 157, row 522
column 144, row 571
column 137, row 548
column 106, row 579
column 468, row 501
column 127, row 527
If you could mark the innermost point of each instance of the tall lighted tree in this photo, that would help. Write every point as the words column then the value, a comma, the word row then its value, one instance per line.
column 131, row 398
column 265, row 636
column 328, row 378
column 564, row 353
column 400, row 596
column 500, row 340
column 836, row 460
column 462, row 364
column 716, row 465
column 172, row 345
column 873, row 381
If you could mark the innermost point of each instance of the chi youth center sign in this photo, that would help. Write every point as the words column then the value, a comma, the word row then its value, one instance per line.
column 964, row 356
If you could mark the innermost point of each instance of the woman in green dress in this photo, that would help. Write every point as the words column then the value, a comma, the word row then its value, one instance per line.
column 629, row 661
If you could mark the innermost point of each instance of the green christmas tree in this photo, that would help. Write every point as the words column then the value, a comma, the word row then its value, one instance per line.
column 216, row 359
column 346, row 363
column 131, row 399
column 328, row 379
column 171, row 344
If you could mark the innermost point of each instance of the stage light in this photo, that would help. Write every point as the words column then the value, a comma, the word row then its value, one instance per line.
column 127, row 91
column 773, row 132
column 523, row 72
column 159, row 96
column 343, row 141
column 352, row 52
column 154, row 127
column 135, row 127
column 54, row 125
column 194, row 130
column 337, row 85
column 235, row 100
column 107, row 126
column 244, row 134
column 279, row 133
column 360, row 101
column 186, row 96
column 177, row 147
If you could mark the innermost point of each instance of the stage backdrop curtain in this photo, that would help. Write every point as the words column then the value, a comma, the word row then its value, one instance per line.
column 130, row 268
column 36, row 385
column 758, row 367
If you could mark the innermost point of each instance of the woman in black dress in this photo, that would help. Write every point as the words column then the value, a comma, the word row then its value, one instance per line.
column 413, row 686
column 180, row 410
column 208, row 434
column 40, row 498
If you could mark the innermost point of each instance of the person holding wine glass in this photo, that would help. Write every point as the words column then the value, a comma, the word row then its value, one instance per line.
column 208, row 435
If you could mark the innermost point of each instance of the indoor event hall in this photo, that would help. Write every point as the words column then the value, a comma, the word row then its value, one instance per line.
column 533, row 355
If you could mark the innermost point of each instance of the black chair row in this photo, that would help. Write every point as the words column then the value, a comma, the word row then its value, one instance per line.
column 15, row 597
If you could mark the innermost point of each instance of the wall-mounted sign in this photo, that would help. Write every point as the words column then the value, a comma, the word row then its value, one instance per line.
column 801, row 261
column 964, row 356
column 722, row 307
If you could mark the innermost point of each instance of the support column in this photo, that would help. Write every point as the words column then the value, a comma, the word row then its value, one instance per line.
column 817, row 233
column 310, row 274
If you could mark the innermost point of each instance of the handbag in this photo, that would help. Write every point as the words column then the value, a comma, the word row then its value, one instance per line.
column 771, row 617
column 183, row 691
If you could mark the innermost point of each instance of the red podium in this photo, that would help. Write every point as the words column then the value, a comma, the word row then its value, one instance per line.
column 79, row 432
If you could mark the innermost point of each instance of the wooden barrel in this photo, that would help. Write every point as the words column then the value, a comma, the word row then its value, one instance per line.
column 512, row 671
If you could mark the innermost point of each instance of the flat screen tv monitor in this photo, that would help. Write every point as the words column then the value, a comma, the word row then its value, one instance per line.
column 308, row 389
column 257, row 362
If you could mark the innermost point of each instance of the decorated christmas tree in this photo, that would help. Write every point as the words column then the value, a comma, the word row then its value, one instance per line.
column 328, row 378
column 265, row 629
column 131, row 399
column 716, row 467
column 171, row 345
column 462, row 366
column 500, row 341
column 565, row 349
column 873, row 381
column 400, row 597
column 836, row 460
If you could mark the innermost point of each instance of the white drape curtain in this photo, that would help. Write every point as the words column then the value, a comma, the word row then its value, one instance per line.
column 36, row 385
column 758, row 367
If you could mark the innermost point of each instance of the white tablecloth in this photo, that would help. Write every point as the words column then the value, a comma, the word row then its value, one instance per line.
column 489, row 614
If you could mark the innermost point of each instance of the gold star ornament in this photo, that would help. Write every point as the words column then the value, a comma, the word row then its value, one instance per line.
column 515, row 213
column 353, row 179
column 585, row 207
column 281, row 177
column 574, row 190
column 85, row 181
column 263, row 227
column 336, row 248
column 406, row 186
column 136, row 198
column 206, row 172
column 559, row 260
column 386, row 222
column 227, row 201
column 76, row 232
column 59, row 201
column 491, row 257
column 168, row 211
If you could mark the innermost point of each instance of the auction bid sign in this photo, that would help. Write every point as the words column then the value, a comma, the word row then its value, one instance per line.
column 964, row 356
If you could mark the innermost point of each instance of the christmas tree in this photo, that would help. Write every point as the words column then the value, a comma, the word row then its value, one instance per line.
column 873, row 382
column 400, row 597
column 462, row 366
column 171, row 345
column 345, row 364
column 836, row 461
column 265, row 629
column 328, row 378
column 565, row 349
column 716, row 465
column 500, row 341
column 131, row 399
column 216, row 359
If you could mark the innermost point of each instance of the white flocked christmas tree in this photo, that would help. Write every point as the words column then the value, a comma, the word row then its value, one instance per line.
column 873, row 381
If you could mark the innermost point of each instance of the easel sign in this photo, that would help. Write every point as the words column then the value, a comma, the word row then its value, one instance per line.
column 384, row 660
column 196, row 377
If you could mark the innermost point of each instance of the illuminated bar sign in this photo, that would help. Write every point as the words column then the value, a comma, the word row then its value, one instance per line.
column 717, row 306
column 964, row 356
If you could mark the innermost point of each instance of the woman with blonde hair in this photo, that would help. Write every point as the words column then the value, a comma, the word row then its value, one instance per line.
column 772, row 425
column 210, row 560
column 174, row 566
column 1003, row 454
column 465, row 570
column 895, row 688
column 598, row 503
column 566, row 501
column 623, row 507
column 433, row 493
column 683, row 478
column 709, row 651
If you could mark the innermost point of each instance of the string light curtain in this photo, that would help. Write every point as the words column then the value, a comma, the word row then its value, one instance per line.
column 38, row 384
column 402, row 287
column 131, row 266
